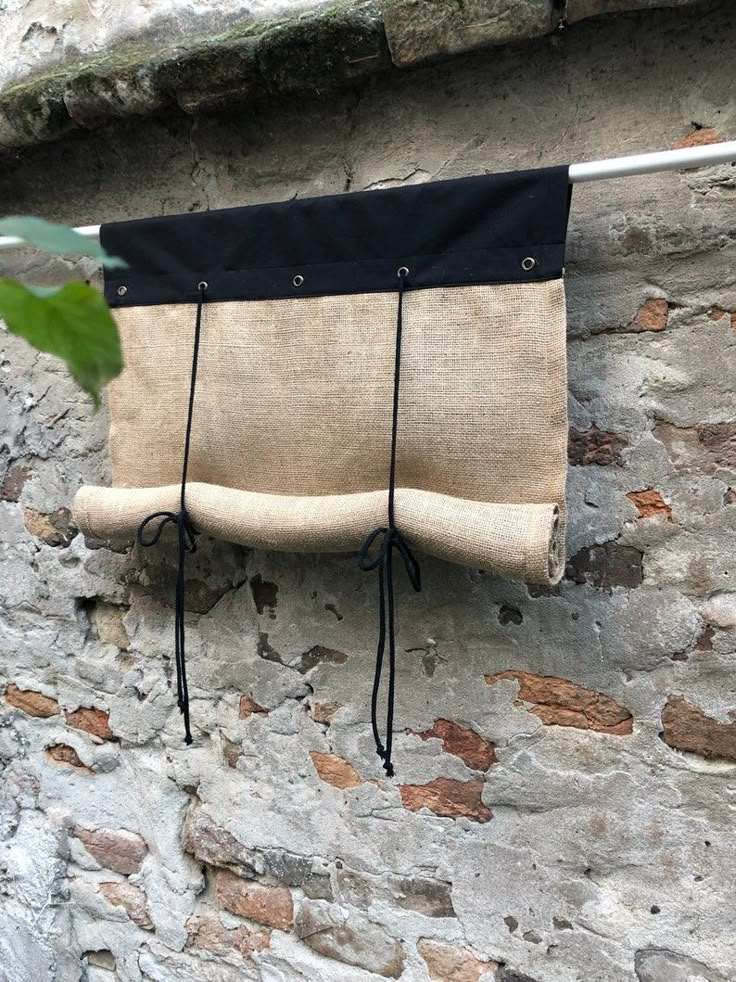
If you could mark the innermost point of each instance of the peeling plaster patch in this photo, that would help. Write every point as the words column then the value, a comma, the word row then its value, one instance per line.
column 462, row 741
column 61, row 753
column 650, row 503
column 30, row 702
column 594, row 446
column 447, row 798
column 559, row 702
column 686, row 727
column 264, row 595
column 606, row 566
column 335, row 770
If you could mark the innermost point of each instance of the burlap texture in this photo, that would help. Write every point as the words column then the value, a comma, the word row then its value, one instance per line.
column 292, row 422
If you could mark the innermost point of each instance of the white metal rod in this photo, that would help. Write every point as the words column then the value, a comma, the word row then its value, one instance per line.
column 649, row 163
column 594, row 170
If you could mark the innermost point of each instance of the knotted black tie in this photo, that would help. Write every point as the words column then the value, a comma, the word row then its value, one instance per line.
column 185, row 533
column 391, row 539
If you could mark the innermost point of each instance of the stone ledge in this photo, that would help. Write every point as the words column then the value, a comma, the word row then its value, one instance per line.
column 419, row 30
column 318, row 50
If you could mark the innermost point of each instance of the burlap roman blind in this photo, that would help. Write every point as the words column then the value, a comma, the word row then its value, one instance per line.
column 296, row 318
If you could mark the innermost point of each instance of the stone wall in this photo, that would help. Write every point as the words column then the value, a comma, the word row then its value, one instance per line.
column 566, row 759
column 83, row 63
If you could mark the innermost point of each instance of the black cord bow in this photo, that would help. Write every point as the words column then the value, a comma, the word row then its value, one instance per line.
column 185, row 535
column 391, row 539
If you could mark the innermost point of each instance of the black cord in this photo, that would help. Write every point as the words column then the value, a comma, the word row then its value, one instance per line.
column 391, row 539
column 185, row 534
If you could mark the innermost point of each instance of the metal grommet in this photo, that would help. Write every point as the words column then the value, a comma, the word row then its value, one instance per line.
column 122, row 290
column 202, row 285
column 528, row 263
column 298, row 280
column 402, row 271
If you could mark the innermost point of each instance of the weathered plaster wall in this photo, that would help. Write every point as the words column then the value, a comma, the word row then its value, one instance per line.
column 563, row 810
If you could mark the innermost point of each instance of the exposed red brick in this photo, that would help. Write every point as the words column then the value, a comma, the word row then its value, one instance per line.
column 55, row 528
column 650, row 503
column 14, row 481
column 698, row 138
column 653, row 315
column 131, row 898
column 30, row 702
column 91, row 720
column 62, row 753
column 451, row 963
column 462, row 742
column 271, row 906
column 208, row 932
column 249, row 707
column 447, row 797
column 335, row 770
column 688, row 728
column 594, row 446
column 115, row 849
column 559, row 702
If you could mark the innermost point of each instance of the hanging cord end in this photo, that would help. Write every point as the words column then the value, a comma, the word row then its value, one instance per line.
column 388, row 538
column 186, row 533
column 383, row 754
column 183, row 704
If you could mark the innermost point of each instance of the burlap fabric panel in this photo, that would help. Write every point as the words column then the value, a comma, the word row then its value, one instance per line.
column 290, row 435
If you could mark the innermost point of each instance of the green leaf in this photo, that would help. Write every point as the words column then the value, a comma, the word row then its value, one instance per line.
column 56, row 239
column 72, row 322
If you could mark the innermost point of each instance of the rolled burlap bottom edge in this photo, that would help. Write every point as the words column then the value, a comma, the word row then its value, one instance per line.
column 523, row 541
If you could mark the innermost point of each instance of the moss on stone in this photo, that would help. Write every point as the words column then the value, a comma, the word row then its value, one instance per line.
column 322, row 50
column 318, row 49
column 315, row 50
column 212, row 77
column 33, row 111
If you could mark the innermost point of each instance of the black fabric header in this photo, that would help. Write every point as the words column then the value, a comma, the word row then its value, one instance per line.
column 498, row 228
